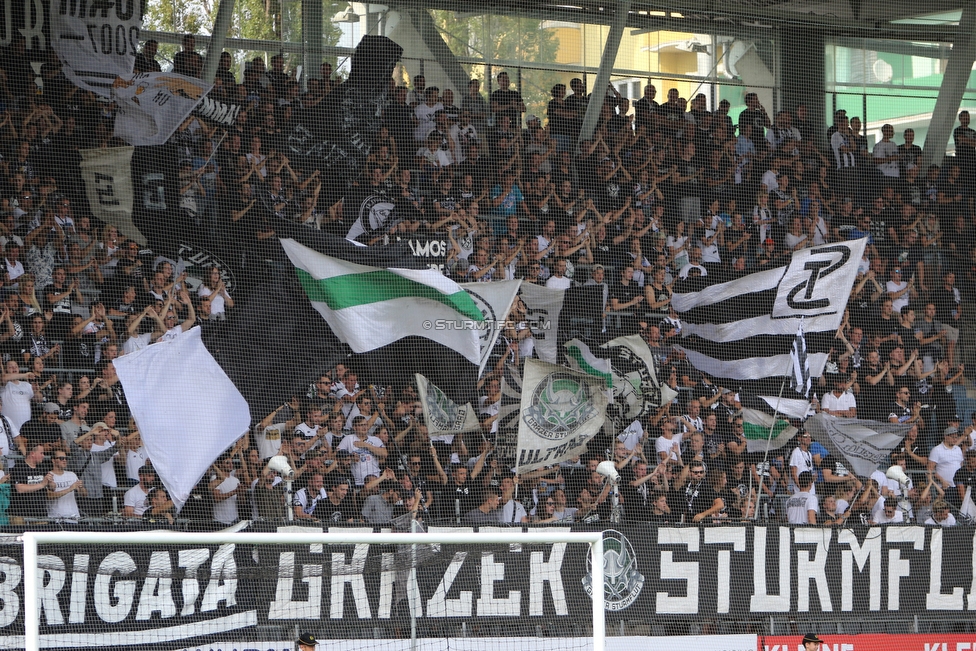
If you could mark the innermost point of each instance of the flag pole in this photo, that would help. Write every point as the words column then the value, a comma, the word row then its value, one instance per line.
column 769, row 439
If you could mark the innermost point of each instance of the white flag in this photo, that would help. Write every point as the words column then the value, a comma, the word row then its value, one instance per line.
column 151, row 105
column 187, row 409
column 108, row 184
column 96, row 42
column 443, row 415
column 494, row 300
column 968, row 507
column 561, row 411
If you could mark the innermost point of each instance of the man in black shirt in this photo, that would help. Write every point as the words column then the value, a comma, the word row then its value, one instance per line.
column 964, row 478
column 339, row 507
column 964, row 138
column 30, row 480
column 627, row 296
column 45, row 430
column 457, row 496
column 756, row 116
column 506, row 101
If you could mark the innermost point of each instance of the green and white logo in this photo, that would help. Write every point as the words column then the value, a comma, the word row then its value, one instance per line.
column 561, row 405
column 622, row 582
column 443, row 413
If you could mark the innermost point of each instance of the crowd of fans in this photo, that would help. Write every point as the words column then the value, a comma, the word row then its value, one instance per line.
column 660, row 194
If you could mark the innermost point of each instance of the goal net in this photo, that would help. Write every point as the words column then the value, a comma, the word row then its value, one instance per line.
column 357, row 589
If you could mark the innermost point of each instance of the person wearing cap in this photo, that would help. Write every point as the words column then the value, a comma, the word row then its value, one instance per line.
column 306, row 642
column 811, row 642
column 136, row 498
column 946, row 458
column 44, row 430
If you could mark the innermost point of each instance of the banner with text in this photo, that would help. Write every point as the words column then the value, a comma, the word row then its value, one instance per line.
column 173, row 596
column 96, row 42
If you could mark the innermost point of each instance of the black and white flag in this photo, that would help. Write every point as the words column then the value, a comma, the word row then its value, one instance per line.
column 744, row 329
column 800, row 378
column 96, row 42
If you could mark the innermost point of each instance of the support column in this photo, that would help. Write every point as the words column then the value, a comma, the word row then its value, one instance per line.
column 599, row 93
column 953, row 85
column 311, row 39
column 801, row 55
column 225, row 15
column 424, row 24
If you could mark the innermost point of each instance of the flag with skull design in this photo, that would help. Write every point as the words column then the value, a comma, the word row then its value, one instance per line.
column 561, row 411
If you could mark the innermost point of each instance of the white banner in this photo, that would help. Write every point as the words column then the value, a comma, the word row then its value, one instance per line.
column 862, row 444
column 543, row 306
column 441, row 414
column 561, row 411
column 151, row 105
column 186, row 408
column 494, row 300
column 96, row 42
column 108, row 184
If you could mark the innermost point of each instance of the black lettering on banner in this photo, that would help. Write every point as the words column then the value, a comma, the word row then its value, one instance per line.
column 105, row 189
column 814, row 267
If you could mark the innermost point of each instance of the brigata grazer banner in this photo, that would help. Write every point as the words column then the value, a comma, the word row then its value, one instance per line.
column 182, row 596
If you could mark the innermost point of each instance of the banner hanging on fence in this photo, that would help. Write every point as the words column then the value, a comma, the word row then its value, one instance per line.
column 110, row 596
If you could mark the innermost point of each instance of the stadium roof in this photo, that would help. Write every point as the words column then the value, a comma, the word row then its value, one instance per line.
column 891, row 19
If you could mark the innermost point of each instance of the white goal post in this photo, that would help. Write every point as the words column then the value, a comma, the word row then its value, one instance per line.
column 31, row 541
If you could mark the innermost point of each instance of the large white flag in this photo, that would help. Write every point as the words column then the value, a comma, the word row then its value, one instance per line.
column 151, row 105
column 187, row 409
column 108, row 184
column 494, row 300
column 96, row 42
column 441, row 414
column 561, row 411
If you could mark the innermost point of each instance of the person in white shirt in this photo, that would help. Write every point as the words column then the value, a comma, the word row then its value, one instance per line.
column 225, row 487
column 368, row 450
column 558, row 279
column 946, row 458
column 16, row 395
column 510, row 511
column 668, row 445
column 839, row 402
column 801, row 460
column 135, row 498
column 802, row 507
column 940, row 515
column 61, row 487
column 886, row 511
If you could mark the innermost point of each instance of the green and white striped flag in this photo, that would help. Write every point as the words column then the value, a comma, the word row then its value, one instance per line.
column 756, row 426
column 579, row 357
column 370, row 307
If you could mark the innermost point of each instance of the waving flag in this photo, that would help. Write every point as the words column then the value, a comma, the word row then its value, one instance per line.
column 744, row 329
column 800, row 379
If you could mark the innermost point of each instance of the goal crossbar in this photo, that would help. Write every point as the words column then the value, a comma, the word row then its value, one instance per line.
column 31, row 540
